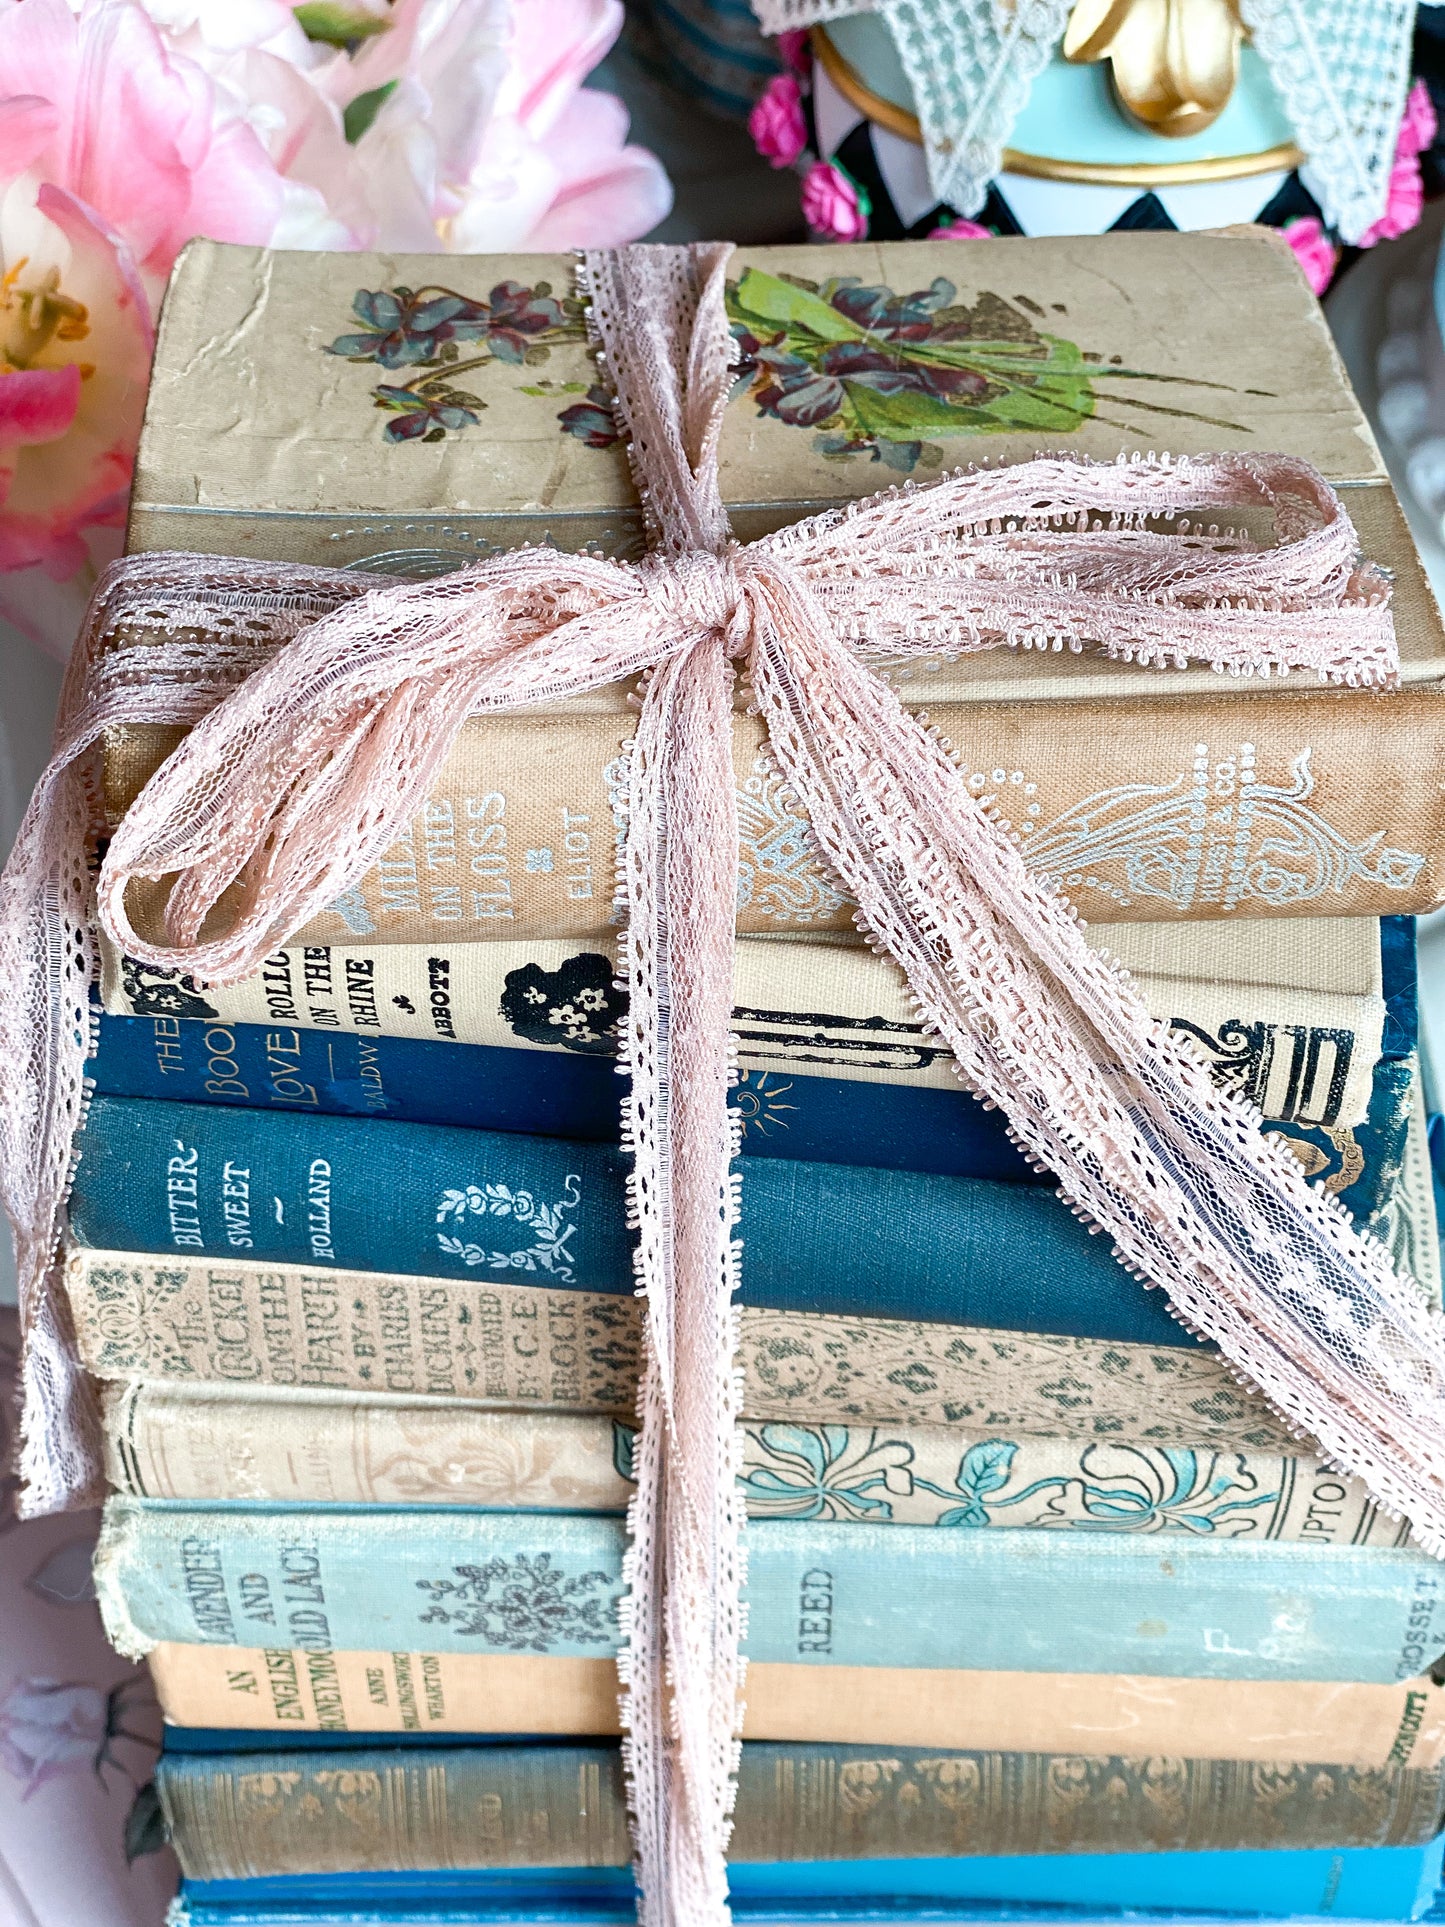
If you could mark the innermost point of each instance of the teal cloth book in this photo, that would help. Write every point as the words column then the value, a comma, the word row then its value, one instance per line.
column 1361, row 1883
column 399, row 1810
column 368, row 1578
column 379, row 1195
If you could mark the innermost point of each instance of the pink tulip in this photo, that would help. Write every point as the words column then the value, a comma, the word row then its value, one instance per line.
column 960, row 231
column 75, row 348
column 108, row 113
column 490, row 139
column 1314, row 250
column 834, row 207
column 1405, row 196
column 776, row 124
column 129, row 126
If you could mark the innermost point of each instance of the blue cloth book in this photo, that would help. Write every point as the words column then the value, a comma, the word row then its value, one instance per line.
column 397, row 1579
column 563, row 1093
column 550, row 1093
column 558, row 1094
column 1362, row 1883
column 443, row 1202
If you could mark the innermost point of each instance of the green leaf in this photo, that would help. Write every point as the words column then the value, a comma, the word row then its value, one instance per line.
column 335, row 24
column 1048, row 405
column 766, row 298
column 358, row 114
column 901, row 418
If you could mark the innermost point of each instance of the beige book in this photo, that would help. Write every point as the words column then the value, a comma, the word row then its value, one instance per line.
column 1288, row 1012
column 263, row 436
column 1199, row 807
column 304, row 1448
column 201, row 1322
column 1150, row 794
column 297, row 1692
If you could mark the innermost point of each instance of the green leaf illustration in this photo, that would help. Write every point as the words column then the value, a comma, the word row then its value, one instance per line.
column 785, row 306
column 1046, row 406
column 900, row 418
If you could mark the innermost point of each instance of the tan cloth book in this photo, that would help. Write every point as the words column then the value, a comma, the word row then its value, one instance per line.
column 304, row 1448
column 202, row 1323
column 297, row 1692
column 1149, row 794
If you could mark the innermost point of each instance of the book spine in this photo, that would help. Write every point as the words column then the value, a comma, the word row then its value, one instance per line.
column 1361, row 1164
column 308, row 1072
column 1147, row 1890
column 363, row 1193
column 818, row 1009
column 291, row 1692
column 809, row 1119
column 310, row 1448
column 824, row 1594
column 1178, row 808
column 254, row 1816
column 812, row 1119
column 212, row 1325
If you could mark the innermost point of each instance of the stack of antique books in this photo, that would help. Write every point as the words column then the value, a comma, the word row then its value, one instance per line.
column 1044, row 1606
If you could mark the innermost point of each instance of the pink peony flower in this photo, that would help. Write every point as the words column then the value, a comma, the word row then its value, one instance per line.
column 834, row 206
column 1314, row 250
column 489, row 140
column 1405, row 196
column 776, row 124
column 49, row 1727
column 961, row 231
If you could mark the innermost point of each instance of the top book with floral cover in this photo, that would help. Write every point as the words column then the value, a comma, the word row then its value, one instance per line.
column 411, row 413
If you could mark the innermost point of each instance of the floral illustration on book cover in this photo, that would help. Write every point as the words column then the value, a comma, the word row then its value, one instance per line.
column 869, row 371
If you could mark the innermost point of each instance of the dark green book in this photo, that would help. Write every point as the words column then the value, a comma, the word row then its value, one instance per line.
column 236, row 1816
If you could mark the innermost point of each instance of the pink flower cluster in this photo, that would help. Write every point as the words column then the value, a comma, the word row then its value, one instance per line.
column 776, row 124
column 129, row 126
column 834, row 205
column 1317, row 254
column 1314, row 250
column 1406, row 195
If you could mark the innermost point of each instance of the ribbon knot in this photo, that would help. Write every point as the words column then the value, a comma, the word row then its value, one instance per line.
column 700, row 594
column 297, row 780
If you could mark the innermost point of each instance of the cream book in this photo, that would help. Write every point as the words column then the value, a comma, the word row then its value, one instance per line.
column 294, row 1692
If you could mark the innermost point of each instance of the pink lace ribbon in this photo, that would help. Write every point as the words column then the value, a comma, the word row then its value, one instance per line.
column 295, row 778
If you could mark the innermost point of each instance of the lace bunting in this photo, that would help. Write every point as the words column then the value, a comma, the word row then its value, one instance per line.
column 1341, row 72
column 297, row 774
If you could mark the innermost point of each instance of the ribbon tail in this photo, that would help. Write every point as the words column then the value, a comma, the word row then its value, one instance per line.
column 1196, row 1199
column 683, row 1616
column 48, row 964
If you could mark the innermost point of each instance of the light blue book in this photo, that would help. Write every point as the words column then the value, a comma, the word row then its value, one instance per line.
column 368, row 1578
column 1362, row 1883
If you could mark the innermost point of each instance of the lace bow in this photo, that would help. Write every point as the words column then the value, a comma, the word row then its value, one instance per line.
column 289, row 788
